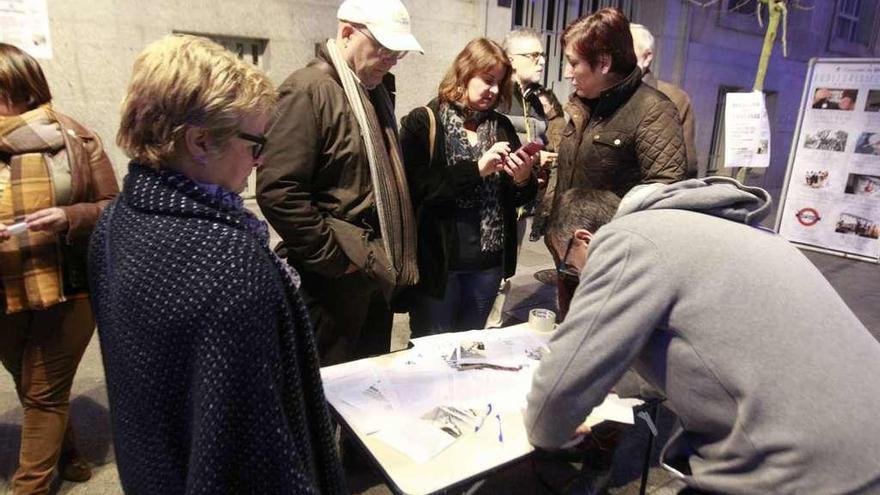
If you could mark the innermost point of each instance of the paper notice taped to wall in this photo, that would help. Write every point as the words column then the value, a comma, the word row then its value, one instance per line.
column 26, row 25
column 746, row 131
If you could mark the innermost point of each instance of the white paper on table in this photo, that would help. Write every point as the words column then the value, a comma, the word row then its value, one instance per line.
column 746, row 130
column 365, row 393
column 329, row 374
column 417, row 391
column 420, row 440
column 505, row 347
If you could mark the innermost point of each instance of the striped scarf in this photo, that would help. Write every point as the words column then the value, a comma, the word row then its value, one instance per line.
column 30, row 263
column 390, row 188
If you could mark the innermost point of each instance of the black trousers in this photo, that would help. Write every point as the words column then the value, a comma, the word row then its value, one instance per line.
column 349, row 314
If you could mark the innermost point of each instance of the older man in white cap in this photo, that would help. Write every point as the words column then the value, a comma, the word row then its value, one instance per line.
column 332, row 184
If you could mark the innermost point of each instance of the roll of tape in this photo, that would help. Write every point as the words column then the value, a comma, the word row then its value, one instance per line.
column 542, row 320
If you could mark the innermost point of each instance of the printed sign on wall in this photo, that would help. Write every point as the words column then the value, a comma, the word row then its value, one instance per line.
column 26, row 25
column 746, row 131
column 832, row 195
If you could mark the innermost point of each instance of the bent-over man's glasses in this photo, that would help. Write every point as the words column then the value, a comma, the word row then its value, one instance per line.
column 383, row 52
column 533, row 56
column 259, row 143
column 564, row 269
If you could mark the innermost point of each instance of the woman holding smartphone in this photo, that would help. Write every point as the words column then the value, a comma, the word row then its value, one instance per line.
column 55, row 180
column 466, row 180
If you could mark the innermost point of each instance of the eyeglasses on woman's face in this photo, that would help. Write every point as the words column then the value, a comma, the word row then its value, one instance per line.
column 259, row 141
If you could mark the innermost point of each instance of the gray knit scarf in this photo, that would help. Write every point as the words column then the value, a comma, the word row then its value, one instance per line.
column 486, row 193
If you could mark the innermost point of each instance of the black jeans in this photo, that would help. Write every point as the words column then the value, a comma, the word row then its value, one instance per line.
column 349, row 314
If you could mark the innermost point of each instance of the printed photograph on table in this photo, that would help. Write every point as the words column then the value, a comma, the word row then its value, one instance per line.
column 835, row 99
column 872, row 104
column 826, row 140
column 868, row 144
column 856, row 225
column 863, row 185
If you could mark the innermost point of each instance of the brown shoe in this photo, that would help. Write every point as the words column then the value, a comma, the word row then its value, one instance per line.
column 72, row 467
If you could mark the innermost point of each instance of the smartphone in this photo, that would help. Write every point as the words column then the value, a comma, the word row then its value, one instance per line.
column 531, row 148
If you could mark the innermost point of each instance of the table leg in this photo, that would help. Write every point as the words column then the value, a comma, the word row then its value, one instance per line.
column 646, row 467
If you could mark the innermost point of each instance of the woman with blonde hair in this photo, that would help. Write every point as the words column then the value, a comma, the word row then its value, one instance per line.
column 210, row 360
column 466, row 182
column 54, row 181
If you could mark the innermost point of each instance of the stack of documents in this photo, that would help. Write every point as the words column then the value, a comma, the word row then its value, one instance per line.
column 421, row 400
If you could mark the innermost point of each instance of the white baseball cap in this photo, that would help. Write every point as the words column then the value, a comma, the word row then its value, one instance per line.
column 387, row 20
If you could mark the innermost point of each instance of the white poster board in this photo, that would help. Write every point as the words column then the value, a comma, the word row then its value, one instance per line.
column 831, row 198
column 25, row 24
column 746, row 131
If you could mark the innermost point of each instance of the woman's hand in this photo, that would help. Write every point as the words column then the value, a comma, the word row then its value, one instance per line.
column 519, row 166
column 4, row 233
column 50, row 219
column 493, row 159
column 548, row 158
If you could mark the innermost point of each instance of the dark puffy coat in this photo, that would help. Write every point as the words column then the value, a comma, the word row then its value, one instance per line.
column 434, row 186
column 633, row 137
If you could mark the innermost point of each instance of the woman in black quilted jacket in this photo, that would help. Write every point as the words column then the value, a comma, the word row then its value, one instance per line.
column 210, row 360
column 621, row 132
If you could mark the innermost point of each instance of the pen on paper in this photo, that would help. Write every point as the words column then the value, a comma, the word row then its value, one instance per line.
column 483, row 419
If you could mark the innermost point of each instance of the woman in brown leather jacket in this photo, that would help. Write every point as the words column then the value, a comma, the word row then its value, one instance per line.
column 55, row 179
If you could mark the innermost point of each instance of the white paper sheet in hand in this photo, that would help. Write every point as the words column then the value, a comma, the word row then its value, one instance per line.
column 613, row 408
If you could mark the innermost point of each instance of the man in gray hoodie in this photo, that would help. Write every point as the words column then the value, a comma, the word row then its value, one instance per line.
column 774, row 380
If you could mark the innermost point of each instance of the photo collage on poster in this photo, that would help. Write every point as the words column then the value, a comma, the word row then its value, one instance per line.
column 833, row 195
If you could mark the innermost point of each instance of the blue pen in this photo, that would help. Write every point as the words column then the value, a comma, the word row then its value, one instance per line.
column 483, row 419
column 500, row 434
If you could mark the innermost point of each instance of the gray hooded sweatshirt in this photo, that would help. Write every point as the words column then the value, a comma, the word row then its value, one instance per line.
column 774, row 379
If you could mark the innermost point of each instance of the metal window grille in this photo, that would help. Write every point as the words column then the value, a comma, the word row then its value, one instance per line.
column 249, row 49
column 747, row 7
column 846, row 20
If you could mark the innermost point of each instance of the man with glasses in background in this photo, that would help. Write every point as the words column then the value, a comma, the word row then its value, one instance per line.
column 333, row 186
column 534, row 110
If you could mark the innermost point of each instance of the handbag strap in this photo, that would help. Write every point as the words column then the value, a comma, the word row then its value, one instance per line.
column 432, row 131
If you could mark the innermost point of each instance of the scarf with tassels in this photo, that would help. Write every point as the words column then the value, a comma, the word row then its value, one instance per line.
column 390, row 190
column 30, row 263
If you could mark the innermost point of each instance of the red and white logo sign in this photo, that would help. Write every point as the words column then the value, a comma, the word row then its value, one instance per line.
column 808, row 217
